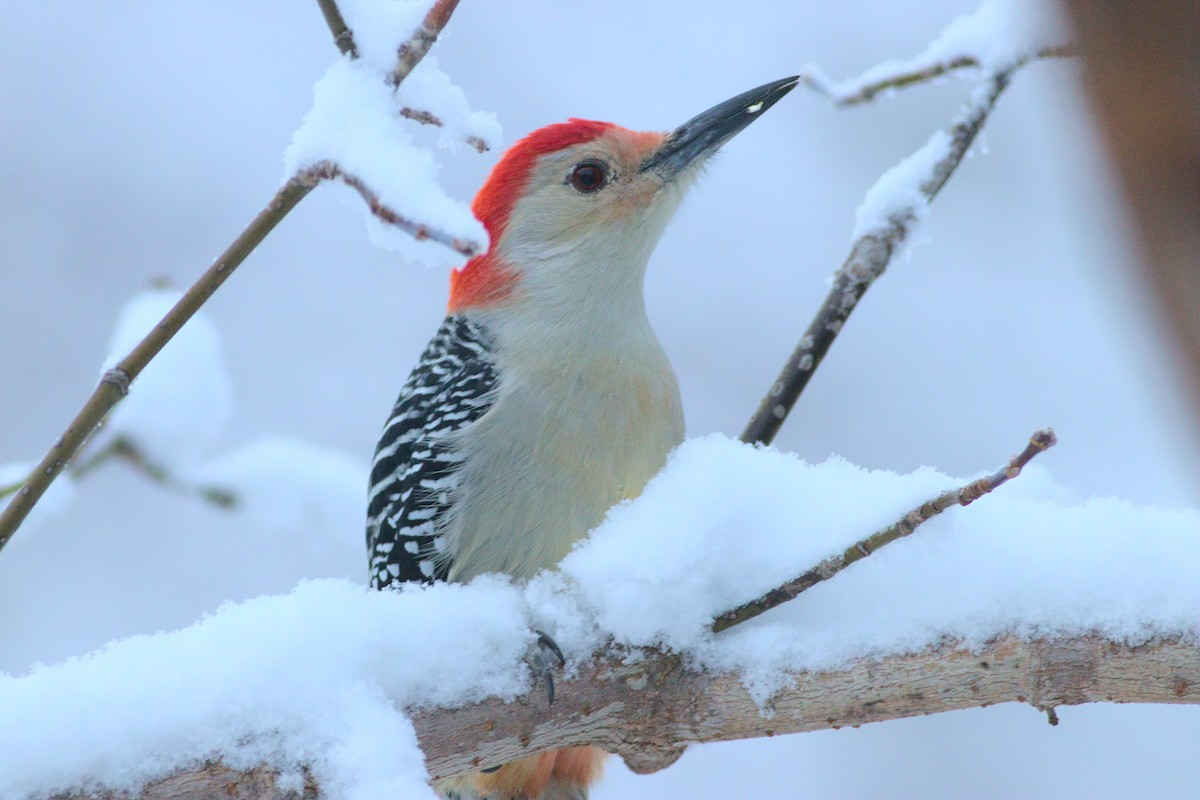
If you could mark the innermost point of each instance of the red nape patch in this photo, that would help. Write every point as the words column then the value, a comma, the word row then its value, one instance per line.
column 485, row 279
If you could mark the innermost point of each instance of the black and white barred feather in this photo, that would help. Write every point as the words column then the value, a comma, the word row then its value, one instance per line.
column 415, row 473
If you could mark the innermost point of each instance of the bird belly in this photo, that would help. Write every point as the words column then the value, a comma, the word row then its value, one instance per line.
column 552, row 455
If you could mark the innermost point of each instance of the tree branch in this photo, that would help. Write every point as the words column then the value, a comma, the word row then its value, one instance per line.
column 649, row 711
column 412, row 51
column 963, row 495
column 115, row 383
column 328, row 170
column 343, row 37
column 428, row 118
column 869, row 257
column 866, row 92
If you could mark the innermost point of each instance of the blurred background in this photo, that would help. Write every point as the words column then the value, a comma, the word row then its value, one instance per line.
column 138, row 139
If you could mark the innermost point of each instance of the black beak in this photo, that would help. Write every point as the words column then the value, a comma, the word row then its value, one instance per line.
column 702, row 135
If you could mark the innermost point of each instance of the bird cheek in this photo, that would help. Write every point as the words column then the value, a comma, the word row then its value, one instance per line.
column 634, row 198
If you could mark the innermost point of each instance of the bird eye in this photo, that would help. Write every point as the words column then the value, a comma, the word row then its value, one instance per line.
column 589, row 176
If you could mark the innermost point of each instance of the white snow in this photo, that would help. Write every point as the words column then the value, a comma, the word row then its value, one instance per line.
column 290, row 487
column 59, row 497
column 178, row 407
column 996, row 35
column 309, row 677
column 429, row 89
column 897, row 195
column 317, row 676
column 725, row 523
column 380, row 27
column 355, row 123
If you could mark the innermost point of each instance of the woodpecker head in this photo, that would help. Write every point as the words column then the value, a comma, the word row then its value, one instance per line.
column 577, row 207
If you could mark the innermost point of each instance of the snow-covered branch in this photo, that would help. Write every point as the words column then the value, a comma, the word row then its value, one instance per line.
column 960, row 615
column 115, row 383
column 905, row 526
column 647, row 709
column 997, row 40
column 889, row 77
column 171, row 430
column 327, row 170
column 370, row 154
column 996, row 36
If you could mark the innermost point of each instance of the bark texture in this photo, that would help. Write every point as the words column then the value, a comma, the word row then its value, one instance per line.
column 649, row 711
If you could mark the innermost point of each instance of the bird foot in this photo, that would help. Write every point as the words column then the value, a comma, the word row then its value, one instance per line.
column 540, row 659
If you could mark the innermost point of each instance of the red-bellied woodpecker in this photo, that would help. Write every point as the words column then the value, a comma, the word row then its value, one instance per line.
column 544, row 398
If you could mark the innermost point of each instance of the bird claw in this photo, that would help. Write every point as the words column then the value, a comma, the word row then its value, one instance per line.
column 546, row 647
column 547, row 644
column 539, row 661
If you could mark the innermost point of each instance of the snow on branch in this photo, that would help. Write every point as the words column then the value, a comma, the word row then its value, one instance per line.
column 649, row 709
column 894, row 209
column 962, row 496
column 1033, row 596
column 999, row 34
column 420, row 21
column 353, row 133
column 116, row 382
column 431, row 98
column 864, row 88
column 170, row 430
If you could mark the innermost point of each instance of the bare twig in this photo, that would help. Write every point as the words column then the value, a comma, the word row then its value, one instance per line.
column 343, row 37
column 129, row 453
column 649, row 710
column 327, row 170
column 412, row 51
column 869, row 257
column 964, row 495
column 867, row 92
column 428, row 118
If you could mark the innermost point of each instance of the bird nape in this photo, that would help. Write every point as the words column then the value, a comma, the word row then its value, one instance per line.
column 544, row 398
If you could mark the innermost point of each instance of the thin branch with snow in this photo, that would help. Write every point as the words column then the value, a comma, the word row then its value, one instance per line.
column 886, row 221
column 949, row 621
column 867, row 86
column 962, row 496
column 417, row 46
column 343, row 37
column 115, row 383
column 427, row 118
column 649, row 708
column 327, row 170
